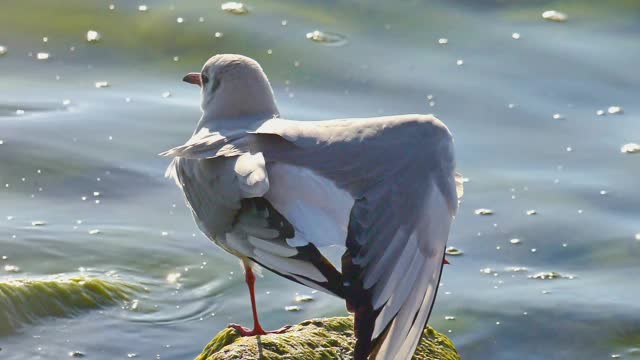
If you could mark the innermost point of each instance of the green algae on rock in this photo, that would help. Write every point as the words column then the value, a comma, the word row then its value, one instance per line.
column 24, row 301
column 316, row 339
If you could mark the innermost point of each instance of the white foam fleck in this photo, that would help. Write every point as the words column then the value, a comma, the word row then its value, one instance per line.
column 43, row 56
column 516, row 269
column 303, row 298
column 551, row 275
column 93, row 36
column 11, row 268
column 236, row 8
column 615, row 110
column 326, row 38
column 630, row 148
column 483, row 211
column 487, row 271
column 553, row 15
column 453, row 251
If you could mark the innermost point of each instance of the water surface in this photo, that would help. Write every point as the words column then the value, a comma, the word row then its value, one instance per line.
column 83, row 195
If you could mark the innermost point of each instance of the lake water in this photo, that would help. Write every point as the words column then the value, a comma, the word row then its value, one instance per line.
column 82, row 193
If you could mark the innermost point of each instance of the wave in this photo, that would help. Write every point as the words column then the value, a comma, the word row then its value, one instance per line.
column 27, row 301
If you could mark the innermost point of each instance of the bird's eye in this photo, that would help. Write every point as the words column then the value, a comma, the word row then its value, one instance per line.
column 205, row 79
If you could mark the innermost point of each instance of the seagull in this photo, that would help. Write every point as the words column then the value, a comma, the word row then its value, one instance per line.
column 273, row 192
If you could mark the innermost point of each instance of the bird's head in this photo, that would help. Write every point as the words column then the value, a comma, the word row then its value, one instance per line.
column 233, row 86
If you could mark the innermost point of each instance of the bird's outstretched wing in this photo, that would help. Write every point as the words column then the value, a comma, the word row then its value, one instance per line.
column 400, row 172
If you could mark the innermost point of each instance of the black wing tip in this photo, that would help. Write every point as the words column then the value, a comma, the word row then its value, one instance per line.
column 331, row 287
column 364, row 318
column 366, row 346
column 359, row 302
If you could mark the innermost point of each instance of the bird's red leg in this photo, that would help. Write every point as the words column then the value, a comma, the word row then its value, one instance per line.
column 250, row 278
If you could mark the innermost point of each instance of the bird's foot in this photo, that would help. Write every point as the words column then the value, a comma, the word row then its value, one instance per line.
column 257, row 331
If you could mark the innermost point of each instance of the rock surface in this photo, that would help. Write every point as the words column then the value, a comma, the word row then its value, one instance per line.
column 316, row 339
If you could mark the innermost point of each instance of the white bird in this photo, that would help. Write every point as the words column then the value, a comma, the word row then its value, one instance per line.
column 272, row 191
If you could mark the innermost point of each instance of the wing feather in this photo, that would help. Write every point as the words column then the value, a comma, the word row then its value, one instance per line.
column 400, row 171
column 405, row 328
column 210, row 144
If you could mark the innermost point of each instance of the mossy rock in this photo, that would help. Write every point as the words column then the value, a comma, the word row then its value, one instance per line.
column 317, row 339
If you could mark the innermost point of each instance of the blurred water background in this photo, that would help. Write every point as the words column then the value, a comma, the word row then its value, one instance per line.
column 99, row 255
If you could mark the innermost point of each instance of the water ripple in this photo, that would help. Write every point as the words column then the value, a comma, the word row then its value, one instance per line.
column 19, row 110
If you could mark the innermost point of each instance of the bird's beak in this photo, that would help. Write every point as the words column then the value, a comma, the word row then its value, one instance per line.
column 193, row 78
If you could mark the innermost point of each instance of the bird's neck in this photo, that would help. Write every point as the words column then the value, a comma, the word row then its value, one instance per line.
column 215, row 122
